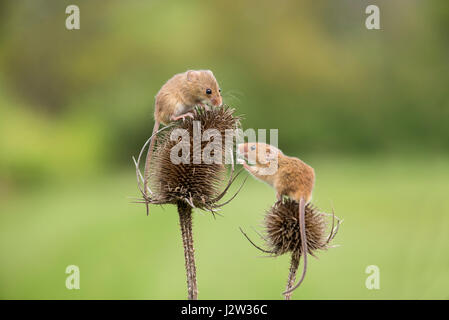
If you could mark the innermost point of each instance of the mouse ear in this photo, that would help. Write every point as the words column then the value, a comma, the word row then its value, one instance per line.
column 192, row 75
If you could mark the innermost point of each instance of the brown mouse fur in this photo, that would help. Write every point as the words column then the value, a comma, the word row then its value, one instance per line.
column 180, row 94
column 176, row 100
column 291, row 177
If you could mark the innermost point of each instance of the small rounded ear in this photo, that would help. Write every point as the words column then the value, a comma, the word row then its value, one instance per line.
column 192, row 75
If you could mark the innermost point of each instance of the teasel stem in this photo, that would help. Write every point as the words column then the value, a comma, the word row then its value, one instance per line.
column 294, row 264
column 185, row 220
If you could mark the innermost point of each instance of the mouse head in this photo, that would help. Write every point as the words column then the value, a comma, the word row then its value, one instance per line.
column 259, row 154
column 204, row 87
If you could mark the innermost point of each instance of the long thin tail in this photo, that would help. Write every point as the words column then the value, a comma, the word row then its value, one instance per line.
column 147, row 162
column 302, row 230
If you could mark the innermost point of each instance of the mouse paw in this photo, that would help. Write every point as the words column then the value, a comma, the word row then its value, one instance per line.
column 189, row 114
column 183, row 116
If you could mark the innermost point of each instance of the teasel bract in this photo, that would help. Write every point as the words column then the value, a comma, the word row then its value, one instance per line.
column 190, row 182
column 282, row 234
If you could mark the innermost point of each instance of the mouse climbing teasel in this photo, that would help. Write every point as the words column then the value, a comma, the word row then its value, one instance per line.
column 190, row 185
column 292, row 224
column 176, row 101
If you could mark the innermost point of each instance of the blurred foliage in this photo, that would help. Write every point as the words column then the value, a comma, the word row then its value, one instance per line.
column 395, row 218
column 76, row 105
column 310, row 69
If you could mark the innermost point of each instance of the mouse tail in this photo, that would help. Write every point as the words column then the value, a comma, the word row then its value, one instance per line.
column 302, row 231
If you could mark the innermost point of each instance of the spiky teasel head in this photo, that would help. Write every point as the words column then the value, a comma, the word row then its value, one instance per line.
column 283, row 232
column 193, row 181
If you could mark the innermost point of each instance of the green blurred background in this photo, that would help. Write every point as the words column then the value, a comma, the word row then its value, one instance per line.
column 367, row 109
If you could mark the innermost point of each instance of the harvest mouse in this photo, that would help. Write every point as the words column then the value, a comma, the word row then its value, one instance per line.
column 176, row 100
column 292, row 178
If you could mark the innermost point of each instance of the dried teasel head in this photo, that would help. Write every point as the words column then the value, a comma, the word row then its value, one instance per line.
column 198, row 184
column 283, row 233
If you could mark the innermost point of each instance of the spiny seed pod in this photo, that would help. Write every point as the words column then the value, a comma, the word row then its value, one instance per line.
column 282, row 228
column 198, row 184
column 282, row 234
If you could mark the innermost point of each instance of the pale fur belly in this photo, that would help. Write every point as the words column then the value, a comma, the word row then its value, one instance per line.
column 182, row 109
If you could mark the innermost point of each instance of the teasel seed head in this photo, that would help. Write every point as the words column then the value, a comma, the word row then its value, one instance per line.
column 283, row 233
column 198, row 184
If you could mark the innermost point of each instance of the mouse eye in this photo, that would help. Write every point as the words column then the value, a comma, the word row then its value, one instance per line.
column 208, row 91
column 219, row 90
column 253, row 148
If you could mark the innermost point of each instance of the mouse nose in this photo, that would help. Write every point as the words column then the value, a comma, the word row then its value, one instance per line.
column 217, row 101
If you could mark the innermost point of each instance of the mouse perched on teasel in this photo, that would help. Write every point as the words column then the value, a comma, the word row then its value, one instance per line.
column 177, row 99
column 290, row 177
